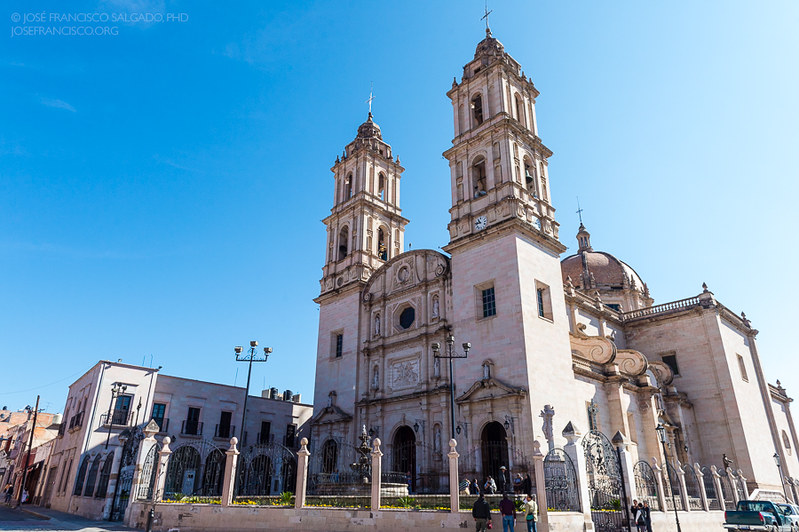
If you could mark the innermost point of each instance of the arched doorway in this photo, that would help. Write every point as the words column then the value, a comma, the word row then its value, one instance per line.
column 494, row 448
column 404, row 454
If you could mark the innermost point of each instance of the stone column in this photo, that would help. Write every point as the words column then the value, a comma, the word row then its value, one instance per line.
column 160, row 472
column 302, row 474
column 377, row 474
column 112, row 481
column 733, row 487
column 144, row 449
column 454, row 495
column 659, row 478
column 575, row 451
column 717, row 483
column 700, row 477
column 540, row 487
column 229, row 480
column 626, row 459
column 683, row 489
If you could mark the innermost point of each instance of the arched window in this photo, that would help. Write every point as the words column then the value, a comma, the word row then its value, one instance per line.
column 348, row 187
column 477, row 110
column 543, row 183
column 329, row 456
column 91, row 480
column 479, row 177
column 519, row 108
column 381, row 186
column 343, row 238
column 529, row 178
column 382, row 248
column 81, row 476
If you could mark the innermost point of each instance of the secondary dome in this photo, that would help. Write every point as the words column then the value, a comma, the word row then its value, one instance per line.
column 369, row 130
column 597, row 270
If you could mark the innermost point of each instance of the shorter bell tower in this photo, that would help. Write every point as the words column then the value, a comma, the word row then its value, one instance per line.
column 365, row 227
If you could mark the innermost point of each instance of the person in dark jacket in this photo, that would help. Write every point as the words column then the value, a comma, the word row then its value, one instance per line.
column 481, row 511
column 527, row 485
column 648, row 516
column 508, row 511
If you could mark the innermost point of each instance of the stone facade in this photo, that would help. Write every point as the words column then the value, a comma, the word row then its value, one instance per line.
column 578, row 340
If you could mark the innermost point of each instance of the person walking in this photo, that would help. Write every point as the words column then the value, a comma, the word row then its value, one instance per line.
column 508, row 511
column 640, row 520
column 481, row 511
column 9, row 491
column 531, row 513
column 648, row 516
column 633, row 509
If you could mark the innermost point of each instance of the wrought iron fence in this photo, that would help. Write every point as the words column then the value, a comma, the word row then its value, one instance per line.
column 646, row 486
column 604, row 483
column 147, row 475
column 710, row 489
column 692, row 489
column 335, row 477
column 486, row 461
column 266, row 469
column 740, row 487
column 195, row 467
column 560, row 480
column 673, row 489
column 726, row 490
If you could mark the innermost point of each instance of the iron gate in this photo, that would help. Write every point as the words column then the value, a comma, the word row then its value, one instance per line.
column 266, row 469
column 127, row 465
column 710, row 489
column 560, row 481
column 646, row 485
column 147, row 478
column 195, row 467
column 605, row 484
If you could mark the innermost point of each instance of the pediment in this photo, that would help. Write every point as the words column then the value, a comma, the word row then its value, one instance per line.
column 490, row 388
column 597, row 349
column 405, row 272
column 331, row 414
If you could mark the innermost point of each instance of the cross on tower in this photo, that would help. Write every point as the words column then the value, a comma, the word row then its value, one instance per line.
column 371, row 97
column 485, row 17
column 579, row 210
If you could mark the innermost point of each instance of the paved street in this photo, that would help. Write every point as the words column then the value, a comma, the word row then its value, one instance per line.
column 35, row 518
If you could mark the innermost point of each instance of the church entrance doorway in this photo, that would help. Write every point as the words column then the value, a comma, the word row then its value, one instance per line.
column 404, row 454
column 494, row 449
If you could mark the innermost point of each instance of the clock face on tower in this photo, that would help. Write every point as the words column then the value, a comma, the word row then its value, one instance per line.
column 480, row 223
column 537, row 223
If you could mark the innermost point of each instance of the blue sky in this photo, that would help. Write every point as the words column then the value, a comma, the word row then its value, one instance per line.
column 161, row 189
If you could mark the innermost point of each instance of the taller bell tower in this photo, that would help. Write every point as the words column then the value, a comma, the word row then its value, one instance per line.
column 498, row 164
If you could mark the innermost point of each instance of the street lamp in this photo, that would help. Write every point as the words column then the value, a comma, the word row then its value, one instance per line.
column 661, row 430
column 782, row 479
column 250, row 356
column 450, row 354
column 116, row 389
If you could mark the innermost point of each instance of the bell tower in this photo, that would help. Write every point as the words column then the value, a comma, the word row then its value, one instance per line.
column 365, row 227
column 498, row 164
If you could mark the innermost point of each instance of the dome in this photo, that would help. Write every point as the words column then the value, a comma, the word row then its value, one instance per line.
column 489, row 47
column 369, row 130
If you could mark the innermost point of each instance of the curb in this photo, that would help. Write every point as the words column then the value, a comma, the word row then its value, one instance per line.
column 35, row 514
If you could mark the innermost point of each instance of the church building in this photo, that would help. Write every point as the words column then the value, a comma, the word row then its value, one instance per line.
column 551, row 342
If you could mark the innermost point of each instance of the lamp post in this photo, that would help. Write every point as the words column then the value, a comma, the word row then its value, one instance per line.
column 661, row 430
column 782, row 479
column 450, row 354
column 30, row 447
column 116, row 389
column 250, row 357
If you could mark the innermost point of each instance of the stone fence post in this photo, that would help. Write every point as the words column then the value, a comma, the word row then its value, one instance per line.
column 683, row 488
column 717, row 483
column 733, row 487
column 454, row 494
column 575, row 451
column 742, row 480
column 377, row 474
column 302, row 474
column 700, row 477
column 229, row 480
column 659, row 479
column 540, row 487
column 626, row 459
column 160, row 471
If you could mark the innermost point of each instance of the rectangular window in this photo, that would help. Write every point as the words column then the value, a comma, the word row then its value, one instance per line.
column 339, row 345
column 266, row 428
column 671, row 361
column 543, row 299
column 192, row 423
column 489, row 302
column 119, row 415
column 742, row 366
column 159, row 410
column 223, row 430
column 291, row 432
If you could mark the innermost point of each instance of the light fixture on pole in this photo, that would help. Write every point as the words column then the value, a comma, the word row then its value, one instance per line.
column 661, row 430
column 450, row 354
column 116, row 390
column 779, row 468
column 250, row 356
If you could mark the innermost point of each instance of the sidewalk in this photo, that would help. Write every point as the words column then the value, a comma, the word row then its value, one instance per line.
column 36, row 518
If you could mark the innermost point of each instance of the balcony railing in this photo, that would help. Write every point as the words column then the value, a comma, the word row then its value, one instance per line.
column 163, row 423
column 76, row 421
column 224, row 431
column 118, row 417
column 267, row 438
column 191, row 428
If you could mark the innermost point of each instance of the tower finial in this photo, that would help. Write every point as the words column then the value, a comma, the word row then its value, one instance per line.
column 371, row 97
column 579, row 210
column 584, row 239
column 485, row 17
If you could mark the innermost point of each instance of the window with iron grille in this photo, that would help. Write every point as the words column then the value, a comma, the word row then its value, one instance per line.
column 489, row 302
column 339, row 345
